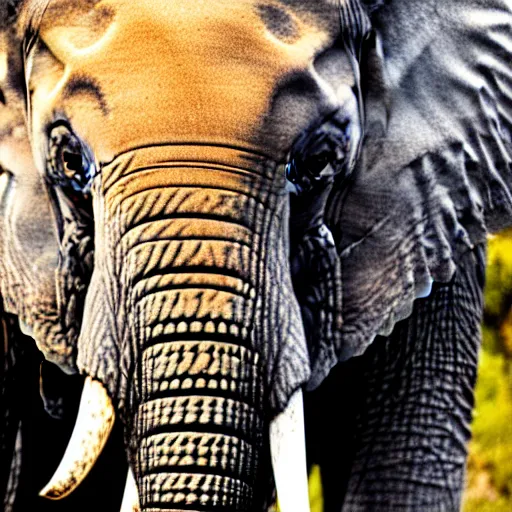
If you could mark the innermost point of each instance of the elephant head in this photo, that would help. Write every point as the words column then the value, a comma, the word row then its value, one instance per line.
column 156, row 248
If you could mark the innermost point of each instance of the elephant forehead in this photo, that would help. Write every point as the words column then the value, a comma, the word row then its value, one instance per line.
column 202, row 71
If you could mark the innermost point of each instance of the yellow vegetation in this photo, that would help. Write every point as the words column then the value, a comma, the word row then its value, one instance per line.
column 489, row 480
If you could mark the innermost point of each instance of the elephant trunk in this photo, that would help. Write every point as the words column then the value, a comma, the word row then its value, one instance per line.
column 203, row 312
column 199, row 427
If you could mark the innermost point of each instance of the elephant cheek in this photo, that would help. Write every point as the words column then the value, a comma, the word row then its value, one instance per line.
column 98, row 355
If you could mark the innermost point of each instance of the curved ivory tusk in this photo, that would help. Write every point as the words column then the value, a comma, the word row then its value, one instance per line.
column 92, row 428
column 288, row 451
column 131, row 496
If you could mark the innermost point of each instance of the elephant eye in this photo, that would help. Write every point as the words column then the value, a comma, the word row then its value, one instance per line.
column 320, row 153
column 69, row 163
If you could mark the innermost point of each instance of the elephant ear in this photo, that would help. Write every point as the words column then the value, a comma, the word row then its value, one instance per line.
column 435, row 174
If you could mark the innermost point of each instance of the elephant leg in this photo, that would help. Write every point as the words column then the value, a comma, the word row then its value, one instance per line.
column 407, row 403
column 414, row 423
column 13, row 479
column 14, row 361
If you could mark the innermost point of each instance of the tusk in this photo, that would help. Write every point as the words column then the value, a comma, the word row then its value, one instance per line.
column 288, row 451
column 93, row 426
column 131, row 496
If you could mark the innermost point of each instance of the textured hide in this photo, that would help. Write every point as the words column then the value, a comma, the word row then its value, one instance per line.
column 182, row 121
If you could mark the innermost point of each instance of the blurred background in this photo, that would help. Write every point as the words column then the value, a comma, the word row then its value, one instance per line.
column 489, row 479
column 489, row 476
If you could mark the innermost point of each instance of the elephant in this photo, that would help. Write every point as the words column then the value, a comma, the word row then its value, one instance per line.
column 237, row 201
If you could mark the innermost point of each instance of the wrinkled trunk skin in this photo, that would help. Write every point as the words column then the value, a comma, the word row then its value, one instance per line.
column 200, row 446
column 198, row 247
column 402, row 445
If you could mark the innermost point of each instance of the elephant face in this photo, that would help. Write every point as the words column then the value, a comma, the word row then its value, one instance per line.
column 159, row 210
column 154, row 241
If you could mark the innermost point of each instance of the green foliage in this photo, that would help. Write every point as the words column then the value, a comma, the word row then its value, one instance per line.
column 490, row 461
column 498, row 296
column 316, row 501
column 499, row 274
column 489, row 480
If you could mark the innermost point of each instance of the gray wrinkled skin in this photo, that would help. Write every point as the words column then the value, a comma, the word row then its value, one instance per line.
column 148, row 238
